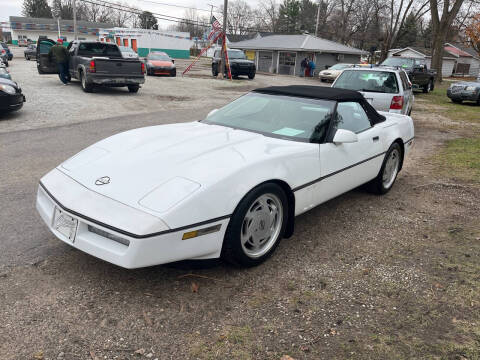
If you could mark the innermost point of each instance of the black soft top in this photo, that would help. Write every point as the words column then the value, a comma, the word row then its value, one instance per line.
column 324, row 93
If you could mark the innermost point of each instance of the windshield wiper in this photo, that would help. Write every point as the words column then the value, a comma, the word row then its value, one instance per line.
column 376, row 91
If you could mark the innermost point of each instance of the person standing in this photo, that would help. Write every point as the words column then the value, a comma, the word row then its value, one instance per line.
column 60, row 55
column 311, row 65
column 303, row 66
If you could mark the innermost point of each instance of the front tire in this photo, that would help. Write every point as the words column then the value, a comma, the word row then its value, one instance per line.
column 251, row 76
column 256, row 227
column 429, row 87
column 457, row 101
column 214, row 71
column 388, row 172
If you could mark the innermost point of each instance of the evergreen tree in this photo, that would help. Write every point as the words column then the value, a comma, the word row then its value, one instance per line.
column 36, row 9
column 407, row 36
column 289, row 16
column 308, row 16
column 148, row 21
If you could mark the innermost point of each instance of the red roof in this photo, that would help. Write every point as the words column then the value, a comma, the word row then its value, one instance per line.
column 457, row 51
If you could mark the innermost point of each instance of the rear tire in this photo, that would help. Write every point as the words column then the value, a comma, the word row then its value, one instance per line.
column 88, row 88
column 133, row 88
column 251, row 76
column 429, row 87
column 256, row 226
column 388, row 172
column 214, row 71
column 457, row 101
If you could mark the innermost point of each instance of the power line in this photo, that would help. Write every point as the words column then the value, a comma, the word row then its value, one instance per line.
column 180, row 6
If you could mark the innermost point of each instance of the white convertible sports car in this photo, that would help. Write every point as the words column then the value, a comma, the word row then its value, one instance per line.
column 228, row 186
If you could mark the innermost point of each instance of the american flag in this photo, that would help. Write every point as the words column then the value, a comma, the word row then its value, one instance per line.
column 216, row 27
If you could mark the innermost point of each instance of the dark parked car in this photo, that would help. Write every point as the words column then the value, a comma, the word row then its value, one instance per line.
column 239, row 64
column 9, row 53
column 159, row 63
column 4, row 72
column 30, row 52
column 11, row 97
column 95, row 63
column 3, row 55
column 417, row 71
column 464, row 91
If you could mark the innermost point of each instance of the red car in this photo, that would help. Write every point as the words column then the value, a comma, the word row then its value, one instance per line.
column 159, row 63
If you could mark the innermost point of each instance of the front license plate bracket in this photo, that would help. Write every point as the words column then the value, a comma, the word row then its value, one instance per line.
column 65, row 224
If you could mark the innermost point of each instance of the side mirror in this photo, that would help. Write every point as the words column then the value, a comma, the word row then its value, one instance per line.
column 327, row 66
column 344, row 136
column 212, row 112
column 173, row 61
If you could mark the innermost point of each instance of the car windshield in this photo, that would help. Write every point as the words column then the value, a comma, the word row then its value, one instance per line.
column 339, row 66
column 291, row 118
column 125, row 49
column 154, row 56
column 401, row 62
column 368, row 81
column 236, row 54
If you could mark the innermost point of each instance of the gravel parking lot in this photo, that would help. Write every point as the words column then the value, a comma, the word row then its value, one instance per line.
column 49, row 103
column 363, row 277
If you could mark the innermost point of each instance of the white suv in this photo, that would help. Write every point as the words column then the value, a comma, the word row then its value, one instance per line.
column 386, row 89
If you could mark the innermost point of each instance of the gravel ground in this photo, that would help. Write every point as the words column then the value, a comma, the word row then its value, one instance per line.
column 363, row 277
column 49, row 103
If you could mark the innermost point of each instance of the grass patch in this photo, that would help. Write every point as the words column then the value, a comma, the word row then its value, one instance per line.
column 461, row 159
column 467, row 111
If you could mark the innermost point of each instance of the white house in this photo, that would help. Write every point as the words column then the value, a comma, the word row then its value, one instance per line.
column 467, row 60
column 448, row 64
column 33, row 28
column 174, row 43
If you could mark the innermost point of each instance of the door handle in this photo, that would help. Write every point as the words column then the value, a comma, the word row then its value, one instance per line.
column 376, row 138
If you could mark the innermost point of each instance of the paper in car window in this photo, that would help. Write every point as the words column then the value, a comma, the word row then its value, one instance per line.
column 288, row 131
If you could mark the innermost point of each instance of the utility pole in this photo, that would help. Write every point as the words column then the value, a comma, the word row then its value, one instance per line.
column 75, row 36
column 224, row 29
column 58, row 27
column 318, row 17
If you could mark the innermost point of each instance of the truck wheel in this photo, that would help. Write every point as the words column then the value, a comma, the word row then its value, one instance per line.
column 251, row 76
column 214, row 71
column 133, row 88
column 457, row 101
column 85, row 86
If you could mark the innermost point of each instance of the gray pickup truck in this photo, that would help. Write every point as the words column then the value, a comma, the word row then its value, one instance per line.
column 95, row 63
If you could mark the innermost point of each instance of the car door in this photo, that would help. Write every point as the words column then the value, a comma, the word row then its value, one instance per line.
column 348, row 165
column 44, row 65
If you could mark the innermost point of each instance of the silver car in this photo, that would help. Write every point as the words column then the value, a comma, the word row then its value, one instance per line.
column 387, row 89
column 128, row 53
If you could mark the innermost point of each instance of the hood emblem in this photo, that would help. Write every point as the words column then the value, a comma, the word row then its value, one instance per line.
column 104, row 180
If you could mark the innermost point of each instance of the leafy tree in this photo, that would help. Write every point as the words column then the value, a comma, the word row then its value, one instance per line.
column 472, row 32
column 148, row 21
column 407, row 36
column 289, row 16
column 36, row 9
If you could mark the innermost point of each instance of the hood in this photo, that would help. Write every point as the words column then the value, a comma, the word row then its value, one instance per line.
column 4, row 81
column 467, row 83
column 162, row 63
column 187, row 156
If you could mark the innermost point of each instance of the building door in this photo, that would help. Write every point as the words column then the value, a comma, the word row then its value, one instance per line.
column 125, row 42
column 265, row 61
column 118, row 41
column 286, row 62
column 134, row 45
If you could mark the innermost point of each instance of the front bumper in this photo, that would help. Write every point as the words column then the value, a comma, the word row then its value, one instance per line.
column 162, row 70
column 113, row 220
column 242, row 70
column 327, row 77
column 11, row 102
column 470, row 95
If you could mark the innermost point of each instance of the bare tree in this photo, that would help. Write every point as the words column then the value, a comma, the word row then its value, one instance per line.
column 240, row 17
column 268, row 16
column 442, row 20
column 397, row 12
column 193, row 23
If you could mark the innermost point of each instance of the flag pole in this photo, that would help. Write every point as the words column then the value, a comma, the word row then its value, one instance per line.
column 224, row 30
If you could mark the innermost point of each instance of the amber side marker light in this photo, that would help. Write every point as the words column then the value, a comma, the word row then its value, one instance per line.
column 200, row 232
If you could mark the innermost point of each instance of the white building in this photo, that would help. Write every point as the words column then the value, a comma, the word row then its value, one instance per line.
column 175, row 44
column 448, row 63
column 33, row 28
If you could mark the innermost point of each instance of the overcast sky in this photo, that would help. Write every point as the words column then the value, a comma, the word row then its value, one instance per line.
column 14, row 7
